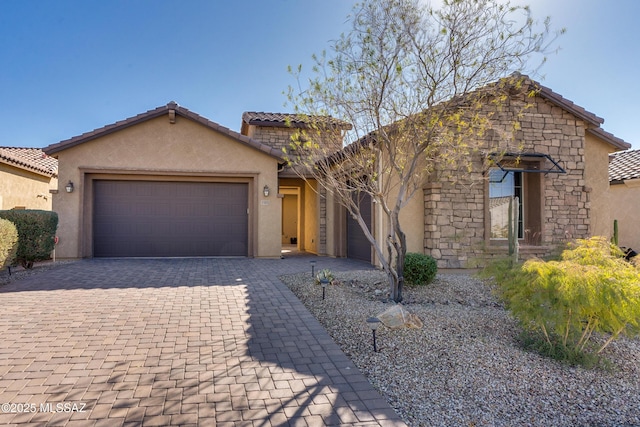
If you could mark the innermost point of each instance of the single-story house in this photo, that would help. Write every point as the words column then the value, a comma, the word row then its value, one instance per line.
column 169, row 182
column 624, row 180
column 27, row 178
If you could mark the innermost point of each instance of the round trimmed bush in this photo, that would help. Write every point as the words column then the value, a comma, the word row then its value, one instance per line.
column 8, row 243
column 36, row 234
column 419, row 269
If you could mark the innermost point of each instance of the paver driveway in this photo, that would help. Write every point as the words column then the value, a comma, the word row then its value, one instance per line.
column 174, row 342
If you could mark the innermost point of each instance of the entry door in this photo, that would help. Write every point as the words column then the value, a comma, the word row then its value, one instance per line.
column 358, row 246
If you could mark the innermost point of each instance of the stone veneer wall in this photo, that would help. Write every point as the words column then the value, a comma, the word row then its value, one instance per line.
column 276, row 137
column 280, row 137
column 456, row 229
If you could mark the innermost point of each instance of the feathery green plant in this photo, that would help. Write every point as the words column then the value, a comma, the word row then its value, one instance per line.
column 592, row 290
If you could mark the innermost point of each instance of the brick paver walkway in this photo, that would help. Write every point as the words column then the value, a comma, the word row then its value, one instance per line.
column 211, row 342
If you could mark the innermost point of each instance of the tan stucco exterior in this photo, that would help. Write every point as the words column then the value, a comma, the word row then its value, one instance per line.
column 411, row 219
column 177, row 149
column 20, row 188
column 625, row 207
column 596, row 172
column 311, row 220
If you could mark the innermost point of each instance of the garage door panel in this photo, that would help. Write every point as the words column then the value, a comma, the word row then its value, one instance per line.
column 152, row 218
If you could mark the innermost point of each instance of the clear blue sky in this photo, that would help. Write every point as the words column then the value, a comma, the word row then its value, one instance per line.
column 68, row 67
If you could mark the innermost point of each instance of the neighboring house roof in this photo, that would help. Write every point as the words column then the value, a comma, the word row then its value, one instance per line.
column 624, row 165
column 285, row 120
column 31, row 159
column 170, row 109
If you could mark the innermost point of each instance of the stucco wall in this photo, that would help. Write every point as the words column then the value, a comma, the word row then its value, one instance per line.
column 625, row 202
column 311, row 217
column 21, row 188
column 157, row 149
column 597, row 185
column 411, row 220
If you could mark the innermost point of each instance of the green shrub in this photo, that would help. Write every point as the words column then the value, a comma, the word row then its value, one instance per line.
column 592, row 290
column 8, row 243
column 36, row 233
column 325, row 274
column 419, row 269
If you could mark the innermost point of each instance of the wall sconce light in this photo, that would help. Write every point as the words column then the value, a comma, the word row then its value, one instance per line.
column 69, row 187
column 266, row 191
column 373, row 323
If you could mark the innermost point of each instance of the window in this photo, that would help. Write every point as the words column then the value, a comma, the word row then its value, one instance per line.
column 503, row 185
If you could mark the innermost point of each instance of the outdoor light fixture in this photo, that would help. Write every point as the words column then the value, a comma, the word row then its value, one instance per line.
column 266, row 191
column 69, row 187
column 324, row 282
column 373, row 323
column 313, row 266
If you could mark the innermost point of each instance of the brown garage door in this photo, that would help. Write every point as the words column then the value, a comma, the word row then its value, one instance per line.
column 358, row 246
column 164, row 219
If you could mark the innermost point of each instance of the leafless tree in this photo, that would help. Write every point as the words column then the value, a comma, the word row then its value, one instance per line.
column 415, row 83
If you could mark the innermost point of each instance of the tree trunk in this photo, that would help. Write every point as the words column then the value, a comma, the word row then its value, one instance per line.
column 400, row 271
column 400, row 247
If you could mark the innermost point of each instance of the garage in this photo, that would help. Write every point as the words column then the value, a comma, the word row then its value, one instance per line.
column 358, row 246
column 169, row 219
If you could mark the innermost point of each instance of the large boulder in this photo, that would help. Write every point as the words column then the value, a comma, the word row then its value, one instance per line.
column 397, row 316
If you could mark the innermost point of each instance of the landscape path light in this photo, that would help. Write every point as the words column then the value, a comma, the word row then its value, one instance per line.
column 313, row 266
column 374, row 323
column 324, row 282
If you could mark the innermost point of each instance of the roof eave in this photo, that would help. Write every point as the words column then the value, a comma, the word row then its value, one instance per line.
column 613, row 140
column 106, row 130
column 560, row 101
column 152, row 114
column 25, row 166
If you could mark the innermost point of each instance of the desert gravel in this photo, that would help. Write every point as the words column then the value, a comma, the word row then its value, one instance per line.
column 464, row 367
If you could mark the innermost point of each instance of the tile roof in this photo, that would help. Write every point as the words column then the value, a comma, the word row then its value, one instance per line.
column 542, row 91
column 624, row 165
column 31, row 159
column 284, row 119
column 610, row 138
column 157, row 112
column 580, row 112
column 567, row 105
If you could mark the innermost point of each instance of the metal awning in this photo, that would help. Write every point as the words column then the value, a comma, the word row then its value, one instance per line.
column 502, row 161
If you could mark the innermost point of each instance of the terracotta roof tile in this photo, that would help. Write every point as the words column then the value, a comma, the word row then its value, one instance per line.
column 32, row 159
column 569, row 106
column 624, row 165
column 284, row 119
column 157, row 112
column 580, row 112
column 610, row 138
